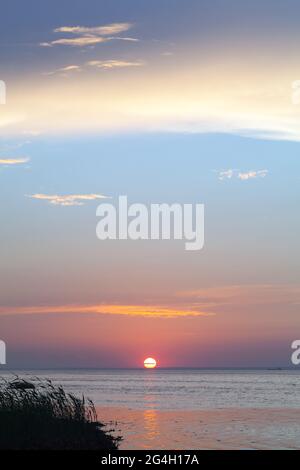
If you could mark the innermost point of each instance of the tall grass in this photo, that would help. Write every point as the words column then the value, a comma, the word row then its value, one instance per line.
column 36, row 414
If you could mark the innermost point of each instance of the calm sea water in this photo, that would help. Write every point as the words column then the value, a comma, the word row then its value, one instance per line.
column 180, row 389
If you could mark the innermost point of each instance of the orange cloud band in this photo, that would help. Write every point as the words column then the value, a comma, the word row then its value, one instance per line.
column 109, row 309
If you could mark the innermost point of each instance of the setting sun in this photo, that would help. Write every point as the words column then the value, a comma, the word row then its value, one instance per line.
column 150, row 363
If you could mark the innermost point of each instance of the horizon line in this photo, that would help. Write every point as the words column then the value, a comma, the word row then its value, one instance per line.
column 228, row 368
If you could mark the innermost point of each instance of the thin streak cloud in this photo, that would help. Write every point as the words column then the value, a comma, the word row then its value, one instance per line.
column 107, row 30
column 112, row 64
column 68, row 200
column 84, row 41
column 247, row 294
column 156, row 311
column 90, row 36
column 226, row 174
column 252, row 174
column 79, row 42
column 13, row 161
column 98, row 64
column 241, row 175
column 65, row 70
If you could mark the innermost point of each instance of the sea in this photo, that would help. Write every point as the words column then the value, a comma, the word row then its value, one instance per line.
column 190, row 408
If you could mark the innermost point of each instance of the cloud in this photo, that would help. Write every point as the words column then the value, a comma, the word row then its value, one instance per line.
column 226, row 174
column 31, row 132
column 13, row 161
column 203, row 302
column 8, row 147
column 112, row 63
column 231, row 173
column 247, row 294
column 122, row 38
column 100, row 64
column 81, row 41
column 156, row 311
column 252, row 174
column 84, row 41
column 108, row 30
column 68, row 200
column 90, row 36
column 64, row 70
column 167, row 53
column 146, row 102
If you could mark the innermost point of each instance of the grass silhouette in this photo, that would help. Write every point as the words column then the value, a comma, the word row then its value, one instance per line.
column 36, row 414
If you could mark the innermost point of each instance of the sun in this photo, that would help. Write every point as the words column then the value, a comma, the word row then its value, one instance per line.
column 149, row 363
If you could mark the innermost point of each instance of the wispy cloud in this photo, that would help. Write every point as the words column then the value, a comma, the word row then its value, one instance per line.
column 98, row 64
column 10, row 147
column 112, row 63
column 156, row 311
column 203, row 302
column 247, row 294
column 252, row 174
column 107, row 30
column 65, row 70
column 90, row 36
column 79, row 42
column 68, row 200
column 226, row 174
column 242, row 175
column 13, row 161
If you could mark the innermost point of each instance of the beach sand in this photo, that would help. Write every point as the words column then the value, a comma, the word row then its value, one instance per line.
column 229, row 428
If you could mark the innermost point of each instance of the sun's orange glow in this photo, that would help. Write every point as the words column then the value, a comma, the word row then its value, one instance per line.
column 150, row 363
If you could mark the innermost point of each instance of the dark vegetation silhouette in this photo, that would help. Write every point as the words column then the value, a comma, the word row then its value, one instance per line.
column 35, row 414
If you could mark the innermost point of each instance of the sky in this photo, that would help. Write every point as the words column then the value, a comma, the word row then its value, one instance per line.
column 166, row 103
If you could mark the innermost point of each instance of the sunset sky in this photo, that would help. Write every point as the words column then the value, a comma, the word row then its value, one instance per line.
column 163, row 101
